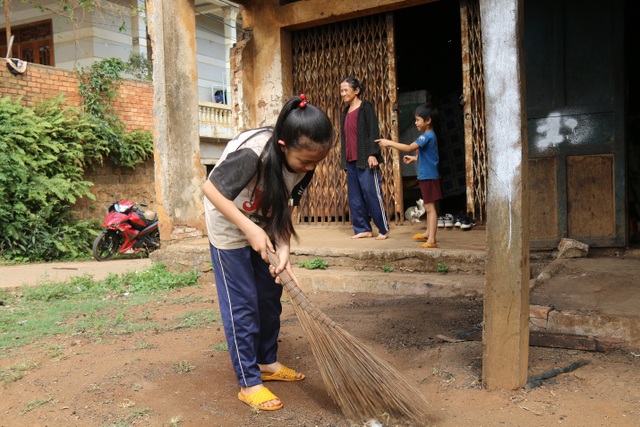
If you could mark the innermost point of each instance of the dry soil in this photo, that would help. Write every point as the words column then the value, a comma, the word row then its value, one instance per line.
column 180, row 377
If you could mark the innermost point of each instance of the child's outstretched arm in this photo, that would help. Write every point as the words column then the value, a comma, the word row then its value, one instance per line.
column 405, row 148
column 257, row 237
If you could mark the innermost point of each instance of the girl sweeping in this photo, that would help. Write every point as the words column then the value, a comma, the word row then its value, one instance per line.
column 260, row 176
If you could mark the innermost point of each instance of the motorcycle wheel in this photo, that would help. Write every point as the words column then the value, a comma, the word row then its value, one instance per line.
column 155, row 240
column 105, row 245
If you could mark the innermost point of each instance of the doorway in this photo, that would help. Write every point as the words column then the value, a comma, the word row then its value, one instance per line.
column 429, row 69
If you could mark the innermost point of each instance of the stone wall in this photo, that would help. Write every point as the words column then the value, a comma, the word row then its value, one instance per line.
column 134, row 106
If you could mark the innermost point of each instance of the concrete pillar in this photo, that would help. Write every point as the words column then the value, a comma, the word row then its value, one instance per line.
column 266, row 58
column 178, row 172
column 506, row 294
column 230, row 34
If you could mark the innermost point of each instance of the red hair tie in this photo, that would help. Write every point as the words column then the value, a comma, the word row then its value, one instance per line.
column 303, row 103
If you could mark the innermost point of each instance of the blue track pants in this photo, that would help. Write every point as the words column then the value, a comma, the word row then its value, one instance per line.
column 250, row 307
column 365, row 199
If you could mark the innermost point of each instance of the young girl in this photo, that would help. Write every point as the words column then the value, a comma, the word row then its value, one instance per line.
column 260, row 176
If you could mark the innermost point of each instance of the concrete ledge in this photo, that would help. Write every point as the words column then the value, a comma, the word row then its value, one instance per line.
column 409, row 260
column 344, row 279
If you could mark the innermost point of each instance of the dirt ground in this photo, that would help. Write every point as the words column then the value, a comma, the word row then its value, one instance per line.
column 132, row 380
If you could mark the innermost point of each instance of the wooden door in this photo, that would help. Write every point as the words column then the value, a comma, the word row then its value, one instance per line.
column 575, row 108
column 322, row 57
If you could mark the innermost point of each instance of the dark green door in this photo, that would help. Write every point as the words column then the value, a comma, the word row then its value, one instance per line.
column 575, row 108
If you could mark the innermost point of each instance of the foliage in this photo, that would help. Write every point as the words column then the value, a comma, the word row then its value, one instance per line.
column 140, row 66
column 155, row 279
column 387, row 268
column 315, row 263
column 442, row 268
column 72, row 9
column 82, row 304
column 44, row 152
column 98, row 86
column 41, row 175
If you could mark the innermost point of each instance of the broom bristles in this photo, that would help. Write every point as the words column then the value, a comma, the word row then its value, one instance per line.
column 360, row 382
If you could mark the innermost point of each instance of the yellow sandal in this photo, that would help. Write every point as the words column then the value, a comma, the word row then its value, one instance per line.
column 257, row 399
column 283, row 374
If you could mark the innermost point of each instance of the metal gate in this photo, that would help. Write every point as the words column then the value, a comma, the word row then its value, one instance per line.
column 322, row 57
column 474, row 131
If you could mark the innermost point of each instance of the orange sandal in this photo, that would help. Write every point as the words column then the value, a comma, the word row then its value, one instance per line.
column 283, row 374
column 420, row 237
column 428, row 245
column 257, row 399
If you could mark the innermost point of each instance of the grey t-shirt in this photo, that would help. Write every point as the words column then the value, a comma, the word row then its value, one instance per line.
column 235, row 177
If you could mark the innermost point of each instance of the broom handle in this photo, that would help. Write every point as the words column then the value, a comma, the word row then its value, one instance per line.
column 297, row 295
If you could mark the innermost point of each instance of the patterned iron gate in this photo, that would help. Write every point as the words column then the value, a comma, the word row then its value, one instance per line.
column 475, row 135
column 322, row 57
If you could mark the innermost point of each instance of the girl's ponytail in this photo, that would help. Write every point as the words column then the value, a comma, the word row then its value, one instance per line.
column 297, row 118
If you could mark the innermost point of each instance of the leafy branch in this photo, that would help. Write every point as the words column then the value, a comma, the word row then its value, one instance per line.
column 98, row 86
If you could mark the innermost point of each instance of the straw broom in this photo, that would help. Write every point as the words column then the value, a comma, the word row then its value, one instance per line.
column 361, row 383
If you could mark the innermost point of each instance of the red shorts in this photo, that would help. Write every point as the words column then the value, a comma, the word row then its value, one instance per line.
column 430, row 190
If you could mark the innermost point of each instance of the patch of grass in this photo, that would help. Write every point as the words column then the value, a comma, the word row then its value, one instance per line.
column 139, row 413
column 36, row 404
column 221, row 347
column 182, row 367
column 83, row 305
column 442, row 269
column 119, row 423
column 387, row 268
column 143, row 345
column 128, row 404
column 198, row 319
column 14, row 373
column 315, row 263
column 56, row 351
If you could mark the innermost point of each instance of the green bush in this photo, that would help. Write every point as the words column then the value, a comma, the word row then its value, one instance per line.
column 44, row 152
column 98, row 86
column 41, row 176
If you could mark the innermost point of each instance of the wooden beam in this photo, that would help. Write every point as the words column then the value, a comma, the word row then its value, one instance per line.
column 546, row 339
column 310, row 13
column 506, row 294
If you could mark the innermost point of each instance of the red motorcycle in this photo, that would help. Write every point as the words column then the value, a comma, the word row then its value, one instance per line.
column 128, row 230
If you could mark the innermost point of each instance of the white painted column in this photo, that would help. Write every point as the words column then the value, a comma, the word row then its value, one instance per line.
column 506, row 293
column 230, row 35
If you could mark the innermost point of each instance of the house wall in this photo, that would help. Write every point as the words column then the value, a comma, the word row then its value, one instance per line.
column 133, row 105
column 210, row 51
column 89, row 37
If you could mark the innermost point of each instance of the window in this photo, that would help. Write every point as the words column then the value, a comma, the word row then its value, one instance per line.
column 32, row 43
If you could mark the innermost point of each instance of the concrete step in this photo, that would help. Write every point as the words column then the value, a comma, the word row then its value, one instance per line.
column 348, row 279
column 405, row 258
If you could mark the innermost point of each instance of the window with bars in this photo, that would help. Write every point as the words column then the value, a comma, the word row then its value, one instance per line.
column 32, row 43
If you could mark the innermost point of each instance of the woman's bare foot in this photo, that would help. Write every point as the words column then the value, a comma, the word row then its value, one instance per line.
column 382, row 236
column 363, row 235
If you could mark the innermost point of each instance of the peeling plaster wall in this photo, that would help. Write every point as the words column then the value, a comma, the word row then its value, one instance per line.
column 268, row 54
column 178, row 170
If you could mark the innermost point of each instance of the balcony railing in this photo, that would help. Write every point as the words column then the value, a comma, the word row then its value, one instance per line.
column 215, row 121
